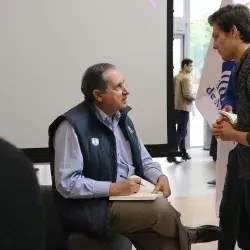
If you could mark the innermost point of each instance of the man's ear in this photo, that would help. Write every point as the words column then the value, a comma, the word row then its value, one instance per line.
column 97, row 95
column 234, row 31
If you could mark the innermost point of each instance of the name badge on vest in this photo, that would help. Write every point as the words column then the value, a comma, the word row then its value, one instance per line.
column 95, row 141
column 130, row 130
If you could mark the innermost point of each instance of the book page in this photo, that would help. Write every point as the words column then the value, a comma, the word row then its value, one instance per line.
column 145, row 187
column 145, row 192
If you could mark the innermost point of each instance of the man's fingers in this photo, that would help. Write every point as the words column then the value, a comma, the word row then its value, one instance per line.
column 224, row 118
column 216, row 131
column 217, row 126
column 220, row 119
column 135, row 187
column 224, row 123
column 166, row 193
column 136, row 180
column 156, row 190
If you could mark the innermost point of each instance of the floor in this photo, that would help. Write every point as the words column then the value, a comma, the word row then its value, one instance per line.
column 190, row 193
column 196, row 126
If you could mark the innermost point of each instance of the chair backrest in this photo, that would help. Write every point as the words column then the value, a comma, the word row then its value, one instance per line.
column 56, row 238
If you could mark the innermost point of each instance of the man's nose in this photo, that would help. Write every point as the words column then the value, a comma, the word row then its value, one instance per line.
column 125, row 91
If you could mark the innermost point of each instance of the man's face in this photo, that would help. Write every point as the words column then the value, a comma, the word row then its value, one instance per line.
column 189, row 68
column 225, row 43
column 115, row 97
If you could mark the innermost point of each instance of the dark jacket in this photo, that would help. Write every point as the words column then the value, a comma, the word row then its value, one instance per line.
column 242, row 95
column 21, row 214
column 98, row 147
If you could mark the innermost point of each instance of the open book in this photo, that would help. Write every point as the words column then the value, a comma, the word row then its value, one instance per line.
column 145, row 192
column 232, row 117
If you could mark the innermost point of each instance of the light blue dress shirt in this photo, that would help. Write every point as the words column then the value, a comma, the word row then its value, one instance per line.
column 69, row 162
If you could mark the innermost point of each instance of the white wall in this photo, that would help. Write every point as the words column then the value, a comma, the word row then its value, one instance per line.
column 46, row 45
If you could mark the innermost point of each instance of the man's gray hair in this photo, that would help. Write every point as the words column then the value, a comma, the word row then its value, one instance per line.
column 94, row 78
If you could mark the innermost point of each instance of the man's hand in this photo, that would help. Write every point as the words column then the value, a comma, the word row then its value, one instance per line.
column 126, row 187
column 228, row 109
column 163, row 185
column 227, row 131
column 216, row 127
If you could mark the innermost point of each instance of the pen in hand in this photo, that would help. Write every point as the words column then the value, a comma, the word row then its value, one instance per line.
column 124, row 177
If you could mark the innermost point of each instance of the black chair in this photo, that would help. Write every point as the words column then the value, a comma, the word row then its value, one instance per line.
column 57, row 239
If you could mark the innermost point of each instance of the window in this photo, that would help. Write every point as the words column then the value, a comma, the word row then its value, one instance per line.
column 179, row 8
column 177, row 53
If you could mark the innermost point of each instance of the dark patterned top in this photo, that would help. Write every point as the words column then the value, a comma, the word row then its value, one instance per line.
column 242, row 94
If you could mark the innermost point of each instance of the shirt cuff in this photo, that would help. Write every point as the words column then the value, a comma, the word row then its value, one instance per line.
column 153, row 175
column 101, row 189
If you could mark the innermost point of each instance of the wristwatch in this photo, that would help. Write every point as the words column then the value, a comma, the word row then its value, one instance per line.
column 248, row 138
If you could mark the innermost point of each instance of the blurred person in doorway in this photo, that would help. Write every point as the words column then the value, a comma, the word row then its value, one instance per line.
column 183, row 99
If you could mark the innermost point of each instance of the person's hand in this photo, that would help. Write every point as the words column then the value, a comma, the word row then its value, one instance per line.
column 216, row 127
column 228, row 109
column 126, row 187
column 227, row 132
column 163, row 186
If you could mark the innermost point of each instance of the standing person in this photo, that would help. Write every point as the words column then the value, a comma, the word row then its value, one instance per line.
column 231, row 33
column 183, row 99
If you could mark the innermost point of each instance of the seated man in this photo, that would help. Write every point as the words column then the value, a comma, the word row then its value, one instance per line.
column 93, row 145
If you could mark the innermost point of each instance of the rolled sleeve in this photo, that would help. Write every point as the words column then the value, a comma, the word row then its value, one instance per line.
column 101, row 188
column 152, row 173
column 152, row 170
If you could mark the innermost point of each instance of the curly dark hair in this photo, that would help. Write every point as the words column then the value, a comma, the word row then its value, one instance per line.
column 233, row 15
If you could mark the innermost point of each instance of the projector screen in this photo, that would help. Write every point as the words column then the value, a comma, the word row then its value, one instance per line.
column 46, row 45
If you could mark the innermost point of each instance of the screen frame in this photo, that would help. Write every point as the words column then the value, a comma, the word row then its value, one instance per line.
column 42, row 155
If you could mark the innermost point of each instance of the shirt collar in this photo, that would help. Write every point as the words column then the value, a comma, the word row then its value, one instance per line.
column 105, row 118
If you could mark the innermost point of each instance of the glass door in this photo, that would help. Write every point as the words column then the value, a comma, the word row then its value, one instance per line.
column 178, row 52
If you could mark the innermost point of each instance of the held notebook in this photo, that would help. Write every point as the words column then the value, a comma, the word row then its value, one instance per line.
column 145, row 192
column 232, row 117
